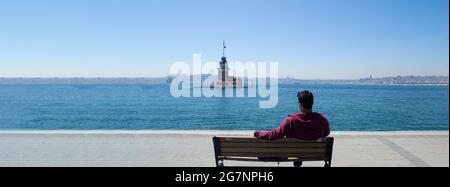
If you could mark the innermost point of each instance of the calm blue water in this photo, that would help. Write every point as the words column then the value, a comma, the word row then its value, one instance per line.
column 150, row 106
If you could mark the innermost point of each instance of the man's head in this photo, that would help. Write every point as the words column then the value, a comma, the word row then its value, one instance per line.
column 305, row 100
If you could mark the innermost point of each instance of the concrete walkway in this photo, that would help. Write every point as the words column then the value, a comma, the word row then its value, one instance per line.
column 194, row 148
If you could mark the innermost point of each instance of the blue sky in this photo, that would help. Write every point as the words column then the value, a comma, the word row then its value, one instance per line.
column 141, row 38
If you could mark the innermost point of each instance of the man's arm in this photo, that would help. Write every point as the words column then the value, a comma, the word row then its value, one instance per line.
column 327, row 127
column 275, row 134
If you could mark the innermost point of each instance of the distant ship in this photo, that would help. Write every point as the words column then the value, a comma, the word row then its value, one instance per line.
column 223, row 78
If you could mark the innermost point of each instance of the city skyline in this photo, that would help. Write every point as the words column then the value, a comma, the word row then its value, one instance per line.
column 323, row 39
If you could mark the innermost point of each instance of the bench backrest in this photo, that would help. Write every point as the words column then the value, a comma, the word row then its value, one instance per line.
column 302, row 150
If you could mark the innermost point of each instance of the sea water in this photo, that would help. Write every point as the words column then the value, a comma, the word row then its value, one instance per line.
column 138, row 106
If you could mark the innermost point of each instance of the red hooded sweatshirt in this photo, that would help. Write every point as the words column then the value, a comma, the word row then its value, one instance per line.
column 306, row 126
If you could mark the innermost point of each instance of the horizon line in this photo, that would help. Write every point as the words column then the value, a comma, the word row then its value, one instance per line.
column 142, row 77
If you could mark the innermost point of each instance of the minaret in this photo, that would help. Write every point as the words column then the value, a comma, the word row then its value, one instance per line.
column 223, row 70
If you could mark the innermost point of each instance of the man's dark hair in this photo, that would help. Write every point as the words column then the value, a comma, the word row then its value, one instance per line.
column 306, row 99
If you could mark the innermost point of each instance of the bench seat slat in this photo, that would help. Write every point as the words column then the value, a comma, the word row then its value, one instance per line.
column 256, row 159
column 255, row 140
column 277, row 155
column 272, row 150
column 280, row 145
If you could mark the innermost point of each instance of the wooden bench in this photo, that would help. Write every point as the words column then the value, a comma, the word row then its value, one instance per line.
column 283, row 150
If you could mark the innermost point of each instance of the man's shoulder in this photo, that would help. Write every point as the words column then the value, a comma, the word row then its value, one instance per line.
column 294, row 116
column 321, row 116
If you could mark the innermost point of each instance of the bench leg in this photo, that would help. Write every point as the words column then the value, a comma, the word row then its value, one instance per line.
column 298, row 164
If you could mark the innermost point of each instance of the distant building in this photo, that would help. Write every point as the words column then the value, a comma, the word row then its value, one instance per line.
column 223, row 78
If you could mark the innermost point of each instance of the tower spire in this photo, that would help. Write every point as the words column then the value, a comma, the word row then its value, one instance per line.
column 224, row 48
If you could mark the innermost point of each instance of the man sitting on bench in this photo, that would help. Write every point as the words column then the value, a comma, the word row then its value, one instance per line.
column 306, row 125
